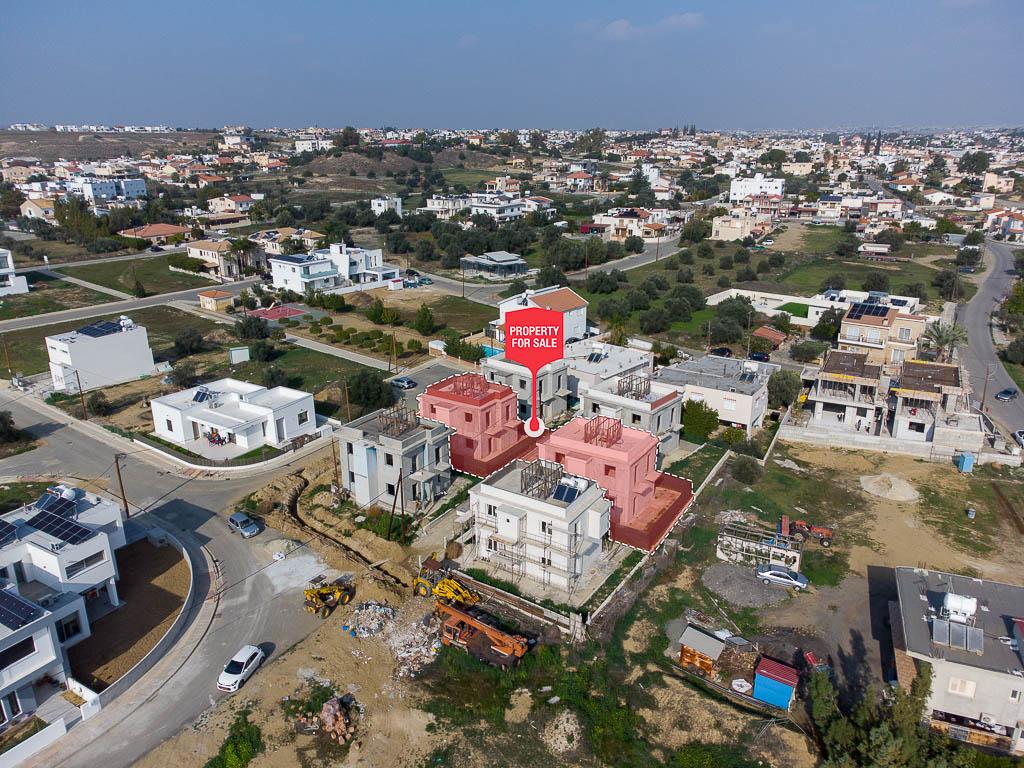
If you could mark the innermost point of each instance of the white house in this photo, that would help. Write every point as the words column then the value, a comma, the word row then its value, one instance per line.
column 92, row 188
column 101, row 354
column 313, row 144
column 56, row 560
column 970, row 633
column 533, row 520
column 240, row 413
column 10, row 282
column 387, row 203
column 501, row 207
column 640, row 403
column 338, row 269
column 758, row 185
column 565, row 300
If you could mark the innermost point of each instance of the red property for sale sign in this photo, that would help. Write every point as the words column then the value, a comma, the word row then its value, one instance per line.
column 533, row 338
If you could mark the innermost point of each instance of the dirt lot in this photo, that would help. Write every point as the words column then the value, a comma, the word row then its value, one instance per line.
column 50, row 145
column 153, row 586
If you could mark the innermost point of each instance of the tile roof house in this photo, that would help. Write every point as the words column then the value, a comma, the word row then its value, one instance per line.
column 157, row 233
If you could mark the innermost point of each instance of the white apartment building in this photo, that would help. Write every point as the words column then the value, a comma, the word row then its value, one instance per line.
column 381, row 446
column 445, row 207
column 640, row 403
column 758, row 185
column 337, row 269
column 736, row 389
column 57, row 560
column 970, row 633
column 92, row 188
column 553, row 390
column 738, row 224
column 503, row 208
column 313, row 144
column 565, row 300
column 10, row 283
column 387, row 203
column 241, row 413
column 532, row 520
column 100, row 354
column 592, row 363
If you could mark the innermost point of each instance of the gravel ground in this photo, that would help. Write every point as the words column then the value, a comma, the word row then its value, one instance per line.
column 736, row 585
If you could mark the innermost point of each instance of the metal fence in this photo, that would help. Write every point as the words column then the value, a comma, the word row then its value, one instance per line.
column 202, row 461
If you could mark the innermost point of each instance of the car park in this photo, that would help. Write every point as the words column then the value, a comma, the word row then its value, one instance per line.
column 241, row 667
column 1006, row 395
column 782, row 576
column 403, row 382
column 720, row 352
column 243, row 525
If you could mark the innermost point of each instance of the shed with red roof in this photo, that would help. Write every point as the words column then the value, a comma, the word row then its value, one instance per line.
column 775, row 683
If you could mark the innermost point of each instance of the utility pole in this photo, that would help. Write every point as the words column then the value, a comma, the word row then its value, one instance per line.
column 463, row 278
column 120, row 483
column 657, row 248
column 7, row 354
column 81, row 395
column 984, row 390
column 348, row 405
column 391, row 517
column 394, row 352
column 709, row 334
column 337, row 466
column 401, row 494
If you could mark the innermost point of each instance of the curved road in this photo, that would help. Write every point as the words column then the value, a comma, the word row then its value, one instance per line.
column 257, row 599
column 979, row 356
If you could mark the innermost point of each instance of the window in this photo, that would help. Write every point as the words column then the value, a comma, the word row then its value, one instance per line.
column 1015, row 695
column 546, row 526
column 522, row 383
column 170, row 427
column 593, row 408
column 728, row 405
column 904, row 334
column 559, row 458
column 636, row 418
column 303, row 417
column 389, row 459
column 17, row 652
column 609, row 470
column 963, row 688
column 492, row 511
column 351, row 477
column 348, row 448
column 94, row 559
column 391, row 489
column 68, row 627
column 492, row 545
column 437, row 455
column 469, row 418
column 545, row 559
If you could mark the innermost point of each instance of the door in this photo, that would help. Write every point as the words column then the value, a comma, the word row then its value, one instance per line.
column 280, row 429
column 195, row 430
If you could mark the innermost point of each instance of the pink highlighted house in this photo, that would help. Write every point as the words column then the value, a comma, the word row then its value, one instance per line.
column 646, row 503
column 484, row 414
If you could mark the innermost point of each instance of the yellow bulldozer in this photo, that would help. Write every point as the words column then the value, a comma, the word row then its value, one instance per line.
column 436, row 580
column 323, row 597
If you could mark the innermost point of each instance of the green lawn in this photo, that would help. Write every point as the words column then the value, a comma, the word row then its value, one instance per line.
column 58, row 252
column 152, row 273
column 821, row 240
column 14, row 495
column 49, row 294
column 809, row 278
column 698, row 465
column 795, row 309
column 462, row 314
column 469, row 176
column 307, row 369
column 163, row 324
column 1016, row 373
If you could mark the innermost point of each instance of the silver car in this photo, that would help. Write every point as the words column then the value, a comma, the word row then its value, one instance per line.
column 777, row 574
column 243, row 524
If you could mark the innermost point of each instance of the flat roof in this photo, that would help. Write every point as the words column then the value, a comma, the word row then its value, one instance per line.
column 929, row 377
column 510, row 478
column 850, row 364
column 921, row 594
column 725, row 374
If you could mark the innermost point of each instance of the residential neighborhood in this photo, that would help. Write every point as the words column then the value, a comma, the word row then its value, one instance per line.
column 612, row 406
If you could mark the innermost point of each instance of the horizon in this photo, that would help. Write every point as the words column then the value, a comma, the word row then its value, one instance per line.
column 747, row 67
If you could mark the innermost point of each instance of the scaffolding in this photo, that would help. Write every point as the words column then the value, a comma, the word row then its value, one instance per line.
column 538, row 479
column 470, row 385
column 602, row 430
column 634, row 386
column 397, row 420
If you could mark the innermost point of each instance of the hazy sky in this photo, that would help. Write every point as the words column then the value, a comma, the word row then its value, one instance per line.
column 737, row 64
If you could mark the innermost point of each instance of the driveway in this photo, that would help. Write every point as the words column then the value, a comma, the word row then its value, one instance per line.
column 979, row 356
column 257, row 599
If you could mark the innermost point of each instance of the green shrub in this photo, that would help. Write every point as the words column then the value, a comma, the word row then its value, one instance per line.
column 244, row 741
column 746, row 470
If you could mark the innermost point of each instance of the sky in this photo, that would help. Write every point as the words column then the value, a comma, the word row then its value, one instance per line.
column 741, row 64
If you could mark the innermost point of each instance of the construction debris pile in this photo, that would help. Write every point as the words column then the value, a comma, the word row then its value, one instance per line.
column 414, row 644
column 371, row 619
column 335, row 720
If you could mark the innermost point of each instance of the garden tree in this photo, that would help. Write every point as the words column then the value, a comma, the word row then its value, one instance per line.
column 517, row 286
column 945, row 338
column 397, row 242
column 550, row 275
column 462, row 349
column 285, row 218
column 847, row 247
column 827, row 327
column 705, row 251
column 783, row 322
column 806, row 351
column 139, row 290
column 684, row 275
column 973, row 162
column 738, row 308
column 974, row 237
column 381, row 315
column 948, row 283
column 183, row 375
column 774, row 157
column 801, row 157
column 611, row 309
column 725, row 262
column 694, row 296
column 10, row 201
column 1015, row 352
column 9, row 432
column 601, row 282
column 920, row 290
column 252, row 327
column 243, row 249
column 892, row 237
column 617, row 334
column 349, row 137
column 188, row 342
column 98, row 404
column 633, row 244
column 262, row 351
column 699, row 419
column 292, row 246
column 653, row 285
column 746, row 274
column 424, row 322
column 944, row 226
column 724, row 281
column 694, row 231
column 274, row 376
column 876, row 281
column 783, row 388
column 654, row 321
column 679, row 310
column 637, row 299
column 746, row 470
column 759, row 344
column 777, row 260
column 590, row 142
column 725, row 330
column 425, row 250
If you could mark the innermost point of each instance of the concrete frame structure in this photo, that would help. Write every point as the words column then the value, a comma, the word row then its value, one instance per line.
column 100, row 354
column 378, row 447
column 552, row 385
column 54, row 582
column 640, row 403
column 524, row 523
column 646, row 503
column 484, row 414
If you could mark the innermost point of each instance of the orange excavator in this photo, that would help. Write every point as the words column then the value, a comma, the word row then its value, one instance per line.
column 482, row 641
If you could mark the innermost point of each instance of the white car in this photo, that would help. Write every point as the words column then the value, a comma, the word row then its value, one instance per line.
column 1018, row 437
column 768, row 241
column 240, row 668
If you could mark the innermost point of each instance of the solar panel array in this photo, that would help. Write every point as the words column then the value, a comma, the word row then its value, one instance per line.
column 566, row 493
column 962, row 637
column 15, row 611
column 8, row 533
column 60, row 527
column 857, row 311
column 595, row 357
column 100, row 328
column 58, row 505
column 202, row 395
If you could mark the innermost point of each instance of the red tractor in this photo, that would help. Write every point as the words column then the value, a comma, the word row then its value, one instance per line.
column 802, row 530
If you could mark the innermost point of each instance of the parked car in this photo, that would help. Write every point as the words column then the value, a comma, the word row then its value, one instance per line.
column 242, row 524
column 411, row 283
column 761, row 357
column 777, row 574
column 404, row 382
column 1006, row 395
column 222, row 231
column 155, row 248
column 426, row 281
column 411, row 273
column 768, row 241
column 1018, row 437
column 721, row 352
column 240, row 668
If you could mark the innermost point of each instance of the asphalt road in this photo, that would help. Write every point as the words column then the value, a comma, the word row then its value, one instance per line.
column 979, row 356
column 258, row 603
column 147, row 254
